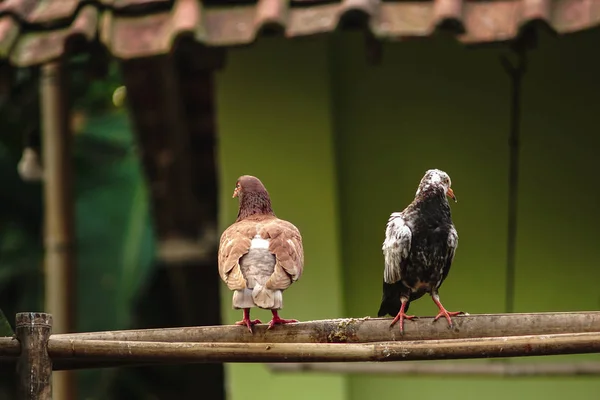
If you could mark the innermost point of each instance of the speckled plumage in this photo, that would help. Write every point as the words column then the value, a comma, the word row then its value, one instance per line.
column 419, row 246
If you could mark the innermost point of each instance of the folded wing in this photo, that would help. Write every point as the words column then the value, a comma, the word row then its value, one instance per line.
column 396, row 247
column 451, row 250
column 286, row 244
column 234, row 244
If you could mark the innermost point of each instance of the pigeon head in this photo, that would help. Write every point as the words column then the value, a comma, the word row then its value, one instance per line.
column 253, row 197
column 434, row 182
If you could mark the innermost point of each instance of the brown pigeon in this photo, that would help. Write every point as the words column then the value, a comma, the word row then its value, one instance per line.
column 260, row 255
column 419, row 248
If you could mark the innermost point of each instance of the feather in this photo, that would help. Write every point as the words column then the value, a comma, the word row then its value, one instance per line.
column 419, row 246
column 396, row 247
column 260, row 255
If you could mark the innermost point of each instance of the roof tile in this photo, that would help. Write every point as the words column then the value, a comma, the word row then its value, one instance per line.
column 52, row 12
column 9, row 32
column 152, row 34
column 32, row 31
column 18, row 8
column 39, row 47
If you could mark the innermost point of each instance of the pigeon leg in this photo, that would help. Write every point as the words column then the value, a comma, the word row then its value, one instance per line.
column 443, row 311
column 278, row 321
column 247, row 321
column 402, row 316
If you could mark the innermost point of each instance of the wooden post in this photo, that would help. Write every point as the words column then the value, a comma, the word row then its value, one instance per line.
column 58, row 211
column 178, row 155
column 34, row 367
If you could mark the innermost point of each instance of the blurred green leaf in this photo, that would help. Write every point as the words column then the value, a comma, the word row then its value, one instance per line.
column 114, row 233
column 5, row 328
column 113, row 226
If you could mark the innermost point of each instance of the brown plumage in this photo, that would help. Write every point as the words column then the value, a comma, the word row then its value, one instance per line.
column 260, row 255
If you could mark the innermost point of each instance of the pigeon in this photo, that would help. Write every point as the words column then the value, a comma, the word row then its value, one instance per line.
column 418, row 249
column 260, row 255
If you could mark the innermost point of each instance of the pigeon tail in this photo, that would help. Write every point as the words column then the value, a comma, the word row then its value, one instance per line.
column 242, row 299
column 390, row 301
column 267, row 298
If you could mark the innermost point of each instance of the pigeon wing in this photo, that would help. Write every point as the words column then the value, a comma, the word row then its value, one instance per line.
column 451, row 250
column 396, row 247
column 285, row 242
column 235, row 243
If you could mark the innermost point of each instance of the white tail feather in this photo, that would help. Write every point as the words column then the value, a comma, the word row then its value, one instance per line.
column 267, row 298
column 242, row 299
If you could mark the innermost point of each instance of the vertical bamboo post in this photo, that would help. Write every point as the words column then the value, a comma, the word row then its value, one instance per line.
column 34, row 367
column 58, row 211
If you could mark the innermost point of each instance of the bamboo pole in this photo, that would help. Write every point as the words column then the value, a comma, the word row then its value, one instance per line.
column 9, row 348
column 162, row 352
column 452, row 368
column 58, row 211
column 82, row 354
column 364, row 330
column 34, row 367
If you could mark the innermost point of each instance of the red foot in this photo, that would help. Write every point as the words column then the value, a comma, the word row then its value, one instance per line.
column 279, row 321
column 247, row 321
column 401, row 317
column 443, row 312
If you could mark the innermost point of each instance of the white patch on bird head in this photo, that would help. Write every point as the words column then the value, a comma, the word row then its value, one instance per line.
column 436, row 178
column 259, row 243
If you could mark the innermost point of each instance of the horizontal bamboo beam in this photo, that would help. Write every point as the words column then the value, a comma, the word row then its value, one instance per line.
column 365, row 330
column 10, row 348
column 554, row 333
column 170, row 353
column 82, row 354
column 67, row 364
column 453, row 368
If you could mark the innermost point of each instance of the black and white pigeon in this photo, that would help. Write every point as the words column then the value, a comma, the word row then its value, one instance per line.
column 419, row 247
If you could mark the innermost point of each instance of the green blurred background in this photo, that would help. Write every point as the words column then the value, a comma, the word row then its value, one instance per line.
column 340, row 144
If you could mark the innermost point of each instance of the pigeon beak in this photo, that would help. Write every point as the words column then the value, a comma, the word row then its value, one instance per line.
column 450, row 193
column 236, row 192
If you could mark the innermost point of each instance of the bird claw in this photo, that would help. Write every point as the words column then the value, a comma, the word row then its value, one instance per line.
column 401, row 317
column 448, row 314
column 249, row 323
column 280, row 321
